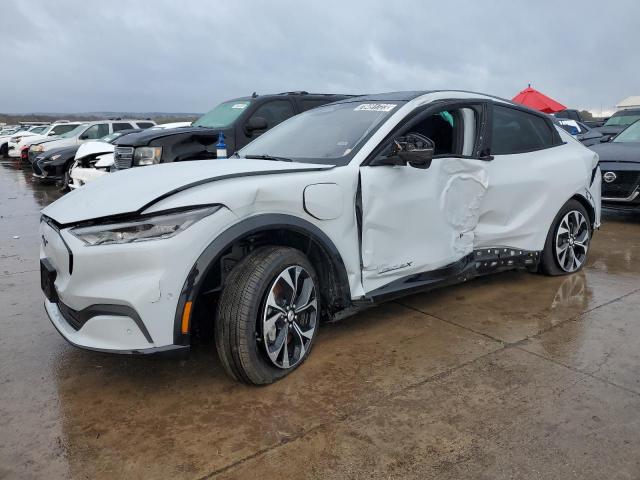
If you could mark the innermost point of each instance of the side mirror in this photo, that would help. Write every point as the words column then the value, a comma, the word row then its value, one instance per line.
column 84, row 136
column 412, row 149
column 51, row 134
column 255, row 123
column 605, row 139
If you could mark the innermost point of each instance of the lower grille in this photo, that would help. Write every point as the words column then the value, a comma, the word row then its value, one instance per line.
column 123, row 157
column 623, row 186
column 71, row 316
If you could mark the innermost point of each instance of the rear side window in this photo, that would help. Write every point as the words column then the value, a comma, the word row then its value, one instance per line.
column 121, row 126
column 274, row 112
column 145, row 124
column 515, row 131
column 60, row 129
column 309, row 104
column 95, row 131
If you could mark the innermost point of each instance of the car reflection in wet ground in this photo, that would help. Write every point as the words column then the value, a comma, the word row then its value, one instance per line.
column 510, row 376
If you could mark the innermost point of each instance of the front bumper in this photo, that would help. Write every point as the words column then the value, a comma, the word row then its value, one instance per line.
column 13, row 150
column 622, row 191
column 45, row 171
column 80, row 176
column 122, row 298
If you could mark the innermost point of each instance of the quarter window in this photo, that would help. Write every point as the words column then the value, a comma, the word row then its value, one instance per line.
column 275, row 112
column 121, row 126
column 145, row 124
column 516, row 131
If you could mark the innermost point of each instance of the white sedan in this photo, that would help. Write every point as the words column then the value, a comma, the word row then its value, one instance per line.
column 339, row 207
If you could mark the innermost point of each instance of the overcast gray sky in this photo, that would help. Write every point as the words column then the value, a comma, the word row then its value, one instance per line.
column 188, row 55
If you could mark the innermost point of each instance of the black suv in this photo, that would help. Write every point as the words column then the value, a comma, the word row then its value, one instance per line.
column 240, row 120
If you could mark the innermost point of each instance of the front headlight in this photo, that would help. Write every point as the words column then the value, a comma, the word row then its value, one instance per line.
column 36, row 148
column 147, row 156
column 151, row 227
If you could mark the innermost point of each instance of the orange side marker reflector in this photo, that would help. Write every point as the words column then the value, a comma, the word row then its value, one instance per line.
column 186, row 316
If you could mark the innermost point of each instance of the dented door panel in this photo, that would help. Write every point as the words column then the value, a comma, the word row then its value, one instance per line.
column 418, row 220
column 527, row 191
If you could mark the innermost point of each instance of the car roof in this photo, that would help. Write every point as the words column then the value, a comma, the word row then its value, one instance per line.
column 627, row 111
column 299, row 94
column 406, row 96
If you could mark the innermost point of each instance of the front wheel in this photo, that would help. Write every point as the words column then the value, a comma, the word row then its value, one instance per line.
column 66, row 178
column 568, row 241
column 268, row 315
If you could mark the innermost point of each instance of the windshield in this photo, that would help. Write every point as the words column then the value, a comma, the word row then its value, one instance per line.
column 331, row 134
column 630, row 134
column 75, row 131
column 622, row 119
column 37, row 129
column 223, row 115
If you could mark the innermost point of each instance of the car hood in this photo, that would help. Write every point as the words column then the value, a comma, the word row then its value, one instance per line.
column 93, row 148
column 146, row 136
column 618, row 152
column 54, row 142
column 613, row 130
column 134, row 190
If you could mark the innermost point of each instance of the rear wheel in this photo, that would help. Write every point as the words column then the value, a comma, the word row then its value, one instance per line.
column 568, row 241
column 268, row 315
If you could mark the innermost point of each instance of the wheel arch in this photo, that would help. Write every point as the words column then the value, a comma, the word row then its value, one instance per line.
column 587, row 205
column 218, row 259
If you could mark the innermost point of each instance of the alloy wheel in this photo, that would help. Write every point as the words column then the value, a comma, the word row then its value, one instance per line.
column 289, row 317
column 572, row 241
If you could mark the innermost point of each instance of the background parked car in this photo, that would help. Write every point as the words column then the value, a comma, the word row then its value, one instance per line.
column 55, row 165
column 4, row 141
column 573, row 114
column 619, row 121
column 588, row 136
column 620, row 166
column 86, row 132
column 26, row 138
column 95, row 159
column 240, row 120
column 5, row 135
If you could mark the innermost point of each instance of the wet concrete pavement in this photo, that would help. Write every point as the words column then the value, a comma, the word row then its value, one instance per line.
column 510, row 376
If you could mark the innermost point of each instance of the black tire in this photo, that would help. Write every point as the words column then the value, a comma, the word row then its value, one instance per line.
column 549, row 264
column 4, row 150
column 66, row 177
column 239, row 339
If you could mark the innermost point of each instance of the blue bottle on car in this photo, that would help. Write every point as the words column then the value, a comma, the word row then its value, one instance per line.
column 221, row 147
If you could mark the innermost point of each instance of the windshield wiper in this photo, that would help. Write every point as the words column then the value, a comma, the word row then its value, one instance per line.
column 268, row 157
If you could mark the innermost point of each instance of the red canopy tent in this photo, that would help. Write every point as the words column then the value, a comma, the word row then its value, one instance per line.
column 532, row 98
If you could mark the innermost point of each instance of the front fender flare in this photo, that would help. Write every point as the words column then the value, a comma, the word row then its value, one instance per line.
column 263, row 222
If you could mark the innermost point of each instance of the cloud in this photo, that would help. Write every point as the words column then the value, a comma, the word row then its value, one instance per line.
column 72, row 55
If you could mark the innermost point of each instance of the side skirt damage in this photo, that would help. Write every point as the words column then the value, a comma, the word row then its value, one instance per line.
column 478, row 263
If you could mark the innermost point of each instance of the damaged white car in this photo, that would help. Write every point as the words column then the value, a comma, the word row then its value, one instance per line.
column 333, row 210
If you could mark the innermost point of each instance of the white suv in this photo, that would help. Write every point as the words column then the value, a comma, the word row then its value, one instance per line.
column 24, row 139
column 85, row 132
column 334, row 209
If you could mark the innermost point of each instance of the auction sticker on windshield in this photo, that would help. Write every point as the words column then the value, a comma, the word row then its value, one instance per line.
column 240, row 105
column 376, row 107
